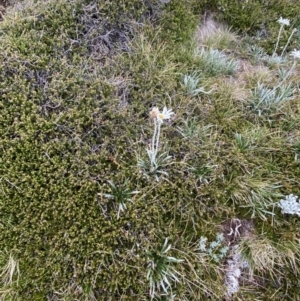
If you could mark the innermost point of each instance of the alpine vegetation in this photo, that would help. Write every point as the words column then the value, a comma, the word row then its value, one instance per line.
column 161, row 271
column 215, row 249
column 264, row 98
column 288, row 41
column 10, row 271
column 156, row 161
column 258, row 53
column 290, row 205
column 191, row 84
column 296, row 56
column 91, row 185
column 282, row 22
column 234, row 269
column 120, row 195
column 215, row 62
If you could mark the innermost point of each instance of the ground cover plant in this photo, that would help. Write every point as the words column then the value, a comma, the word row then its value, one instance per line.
column 147, row 152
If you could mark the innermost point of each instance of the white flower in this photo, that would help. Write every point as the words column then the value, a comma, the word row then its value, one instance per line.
column 154, row 112
column 296, row 54
column 282, row 21
column 165, row 114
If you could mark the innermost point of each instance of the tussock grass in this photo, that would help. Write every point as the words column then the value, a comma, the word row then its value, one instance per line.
column 269, row 257
column 212, row 34
column 9, row 275
column 257, row 74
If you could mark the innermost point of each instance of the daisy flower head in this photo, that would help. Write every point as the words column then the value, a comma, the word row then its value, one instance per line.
column 282, row 21
column 154, row 112
column 165, row 114
column 295, row 54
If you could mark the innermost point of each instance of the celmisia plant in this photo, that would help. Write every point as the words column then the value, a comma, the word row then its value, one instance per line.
column 264, row 98
column 158, row 118
column 161, row 271
column 191, row 83
column 156, row 161
column 120, row 194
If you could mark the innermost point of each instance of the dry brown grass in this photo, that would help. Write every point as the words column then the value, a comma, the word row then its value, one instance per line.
column 214, row 35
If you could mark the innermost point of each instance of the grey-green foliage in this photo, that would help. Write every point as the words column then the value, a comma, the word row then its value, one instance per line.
column 192, row 129
column 282, row 73
column 256, row 52
column 203, row 171
column 120, row 194
column 241, row 141
column 215, row 62
column 191, row 82
column 64, row 116
column 263, row 98
column 161, row 272
column 274, row 60
column 296, row 148
column 154, row 168
column 215, row 249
